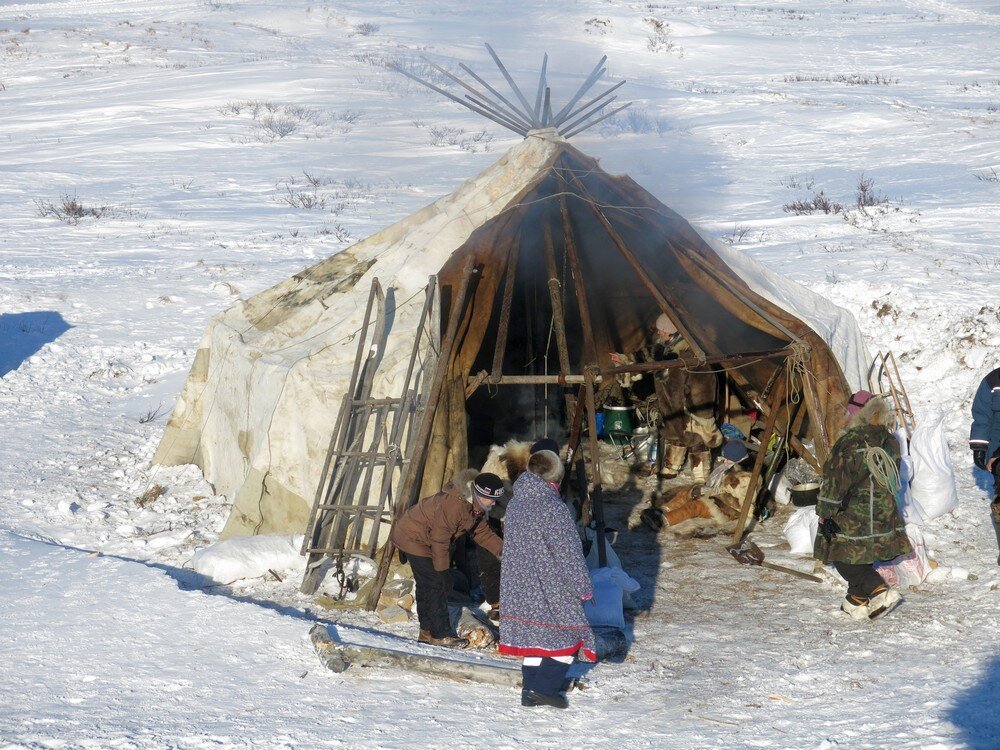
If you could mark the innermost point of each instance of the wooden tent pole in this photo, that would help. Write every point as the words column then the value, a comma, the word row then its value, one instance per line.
column 822, row 441
column 758, row 463
column 504, row 324
column 589, row 345
column 595, row 457
column 558, row 317
column 419, row 445
column 668, row 308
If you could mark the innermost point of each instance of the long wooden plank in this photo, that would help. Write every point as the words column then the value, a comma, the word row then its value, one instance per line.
column 758, row 463
column 340, row 657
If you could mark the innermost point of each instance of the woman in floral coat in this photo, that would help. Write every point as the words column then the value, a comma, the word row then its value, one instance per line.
column 543, row 583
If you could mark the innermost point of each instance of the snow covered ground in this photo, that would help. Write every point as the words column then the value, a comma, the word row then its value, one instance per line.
column 159, row 160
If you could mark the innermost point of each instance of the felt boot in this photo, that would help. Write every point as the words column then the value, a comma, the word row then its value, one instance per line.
column 883, row 600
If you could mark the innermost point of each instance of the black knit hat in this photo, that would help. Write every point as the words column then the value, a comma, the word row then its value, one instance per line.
column 545, row 444
column 488, row 485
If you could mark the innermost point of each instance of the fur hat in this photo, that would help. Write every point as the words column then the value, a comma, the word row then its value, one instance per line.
column 665, row 325
column 547, row 465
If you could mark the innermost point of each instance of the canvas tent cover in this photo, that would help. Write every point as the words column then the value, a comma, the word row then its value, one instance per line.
column 260, row 402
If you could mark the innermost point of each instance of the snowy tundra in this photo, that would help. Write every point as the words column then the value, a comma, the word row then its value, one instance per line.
column 161, row 159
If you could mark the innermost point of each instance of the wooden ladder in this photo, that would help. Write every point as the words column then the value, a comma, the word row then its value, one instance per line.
column 372, row 436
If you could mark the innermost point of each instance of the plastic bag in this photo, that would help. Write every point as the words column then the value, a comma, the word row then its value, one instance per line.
column 932, row 490
column 909, row 569
column 800, row 530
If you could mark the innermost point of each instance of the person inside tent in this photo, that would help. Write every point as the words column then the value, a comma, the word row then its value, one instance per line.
column 718, row 499
column 686, row 401
column 858, row 520
column 543, row 583
column 426, row 533
column 984, row 438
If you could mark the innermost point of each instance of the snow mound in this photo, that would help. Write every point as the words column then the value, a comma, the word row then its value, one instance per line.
column 249, row 557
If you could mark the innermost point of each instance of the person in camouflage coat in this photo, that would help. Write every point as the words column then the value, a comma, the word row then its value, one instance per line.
column 859, row 522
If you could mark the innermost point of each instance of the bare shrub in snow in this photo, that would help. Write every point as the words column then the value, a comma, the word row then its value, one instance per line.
column 366, row 29
column 818, row 202
column 851, row 79
column 867, row 195
column 988, row 176
column 600, row 26
column 445, row 135
column 738, row 234
column 271, row 121
column 152, row 414
column 658, row 39
column 340, row 232
column 798, row 183
column 70, row 210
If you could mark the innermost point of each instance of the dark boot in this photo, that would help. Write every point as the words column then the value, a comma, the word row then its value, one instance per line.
column 547, row 685
column 995, row 515
column 528, row 677
column 448, row 641
column 534, row 698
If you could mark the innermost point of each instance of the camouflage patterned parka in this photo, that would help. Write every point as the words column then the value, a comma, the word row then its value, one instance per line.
column 854, row 497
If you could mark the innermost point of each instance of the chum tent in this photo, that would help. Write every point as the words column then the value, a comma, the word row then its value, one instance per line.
column 541, row 235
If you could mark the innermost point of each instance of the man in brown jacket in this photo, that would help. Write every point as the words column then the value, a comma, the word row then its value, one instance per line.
column 426, row 533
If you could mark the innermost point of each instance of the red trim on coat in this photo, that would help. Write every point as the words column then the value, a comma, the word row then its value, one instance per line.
column 509, row 650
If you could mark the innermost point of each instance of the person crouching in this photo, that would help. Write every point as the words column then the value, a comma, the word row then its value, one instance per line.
column 543, row 583
column 426, row 533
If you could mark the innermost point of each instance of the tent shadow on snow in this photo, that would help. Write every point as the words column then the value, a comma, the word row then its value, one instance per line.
column 24, row 334
column 190, row 580
column 974, row 712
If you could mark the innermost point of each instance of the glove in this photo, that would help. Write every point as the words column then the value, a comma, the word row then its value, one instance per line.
column 829, row 528
column 979, row 457
column 995, row 458
column 477, row 595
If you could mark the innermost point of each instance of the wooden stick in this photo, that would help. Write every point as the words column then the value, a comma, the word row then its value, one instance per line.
column 758, row 463
column 339, row 657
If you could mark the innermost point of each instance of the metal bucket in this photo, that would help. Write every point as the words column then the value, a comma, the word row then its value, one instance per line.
column 644, row 445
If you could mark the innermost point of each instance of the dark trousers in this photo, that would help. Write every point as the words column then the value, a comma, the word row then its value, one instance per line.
column 547, row 678
column 489, row 575
column 861, row 579
column 432, row 596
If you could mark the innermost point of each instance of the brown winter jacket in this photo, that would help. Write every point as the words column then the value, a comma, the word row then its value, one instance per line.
column 429, row 528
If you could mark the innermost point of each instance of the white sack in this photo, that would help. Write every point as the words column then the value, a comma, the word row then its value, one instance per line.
column 800, row 530
column 249, row 557
column 932, row 487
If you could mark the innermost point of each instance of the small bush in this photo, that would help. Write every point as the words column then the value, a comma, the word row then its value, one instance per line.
column 851, row 79
column 867, row 195
column 988, row 176
column 818, row 202
column 658, row 39
column 70, row 210
column 367, row 29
